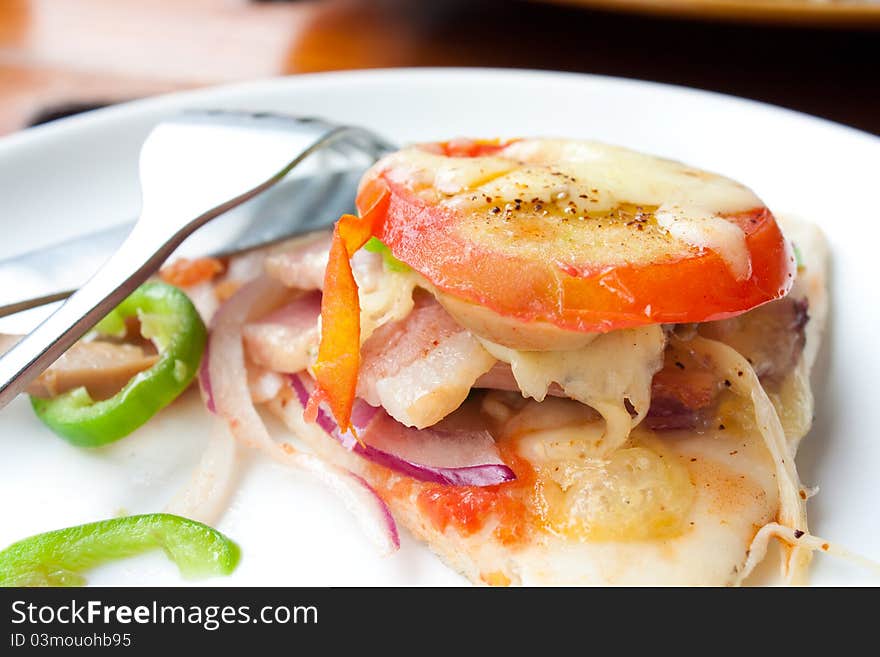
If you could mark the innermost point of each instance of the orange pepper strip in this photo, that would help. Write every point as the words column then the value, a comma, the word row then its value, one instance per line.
column 336, row 369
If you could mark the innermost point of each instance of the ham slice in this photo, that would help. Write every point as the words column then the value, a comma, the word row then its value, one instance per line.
column 422, row 367
column 103, row 368
column 302, row 264
column 284, row 340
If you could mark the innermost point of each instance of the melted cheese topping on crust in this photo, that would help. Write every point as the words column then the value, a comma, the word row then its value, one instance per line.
column 691, row 532
column 614, row 368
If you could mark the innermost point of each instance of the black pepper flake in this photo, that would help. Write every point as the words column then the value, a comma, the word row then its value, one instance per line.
column 739, row 373
column 679, row 365
column 727, row 383
column 798, row 533
column 721, row 427
column 496, row 210
column 693, row 460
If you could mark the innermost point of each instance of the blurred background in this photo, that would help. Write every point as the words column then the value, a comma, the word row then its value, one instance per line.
column 62, row 56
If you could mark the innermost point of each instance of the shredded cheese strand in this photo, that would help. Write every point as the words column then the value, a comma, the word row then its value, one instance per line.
column 792, row 495
column 758, row 548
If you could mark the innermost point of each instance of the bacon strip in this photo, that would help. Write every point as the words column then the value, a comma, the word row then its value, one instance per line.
column 303, row 265
column 421, row 368
column 284, row 340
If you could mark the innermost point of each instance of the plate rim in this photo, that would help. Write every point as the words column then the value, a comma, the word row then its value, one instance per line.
column 120, row 111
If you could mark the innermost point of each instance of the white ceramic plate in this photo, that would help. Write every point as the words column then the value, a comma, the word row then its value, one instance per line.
column 80, row 174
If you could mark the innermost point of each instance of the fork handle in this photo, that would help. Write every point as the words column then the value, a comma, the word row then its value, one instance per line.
column 136, row 260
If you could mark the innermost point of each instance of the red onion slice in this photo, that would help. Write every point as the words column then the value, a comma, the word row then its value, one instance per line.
column 283, row 340
column 455, row 458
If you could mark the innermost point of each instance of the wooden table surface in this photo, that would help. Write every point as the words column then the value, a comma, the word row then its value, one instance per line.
column 56, row 55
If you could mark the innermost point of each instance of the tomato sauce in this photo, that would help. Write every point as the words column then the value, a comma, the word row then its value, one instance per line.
column 467, row 509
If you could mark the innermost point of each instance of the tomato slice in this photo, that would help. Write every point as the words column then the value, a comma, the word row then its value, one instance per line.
column 572, row 233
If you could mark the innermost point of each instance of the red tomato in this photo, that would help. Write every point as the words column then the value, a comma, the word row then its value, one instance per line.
column 690, row 284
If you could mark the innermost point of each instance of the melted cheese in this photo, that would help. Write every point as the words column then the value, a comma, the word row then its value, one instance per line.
column 581, row 201
column 610, row 175
column 637, row 492
column 678, row 509
column 703, row 228
column 613, row 368
column 385, row 296
column 620, row 175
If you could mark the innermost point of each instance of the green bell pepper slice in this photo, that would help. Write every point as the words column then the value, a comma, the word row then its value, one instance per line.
column 57, row 558
column 170, row 320
column 375, row 245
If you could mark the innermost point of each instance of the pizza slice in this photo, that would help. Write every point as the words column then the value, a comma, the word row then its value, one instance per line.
column 557, row 361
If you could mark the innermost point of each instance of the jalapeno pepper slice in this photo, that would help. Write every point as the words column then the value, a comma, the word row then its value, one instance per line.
column 57, row 558
column 167, row 318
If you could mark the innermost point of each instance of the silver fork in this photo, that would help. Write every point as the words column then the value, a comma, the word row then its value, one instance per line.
column 193, row 168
